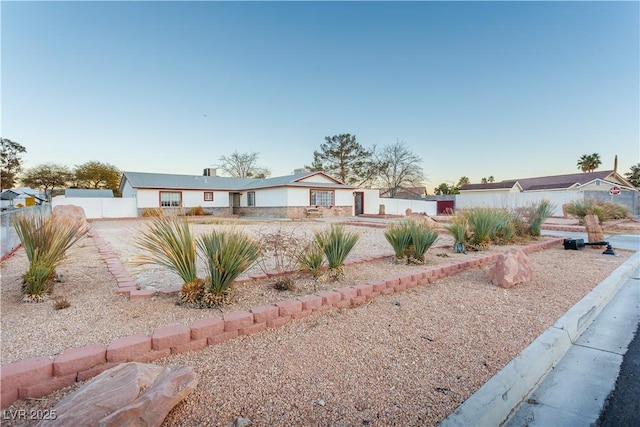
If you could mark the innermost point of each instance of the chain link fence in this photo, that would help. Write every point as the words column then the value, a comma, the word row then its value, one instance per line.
column 8, row 237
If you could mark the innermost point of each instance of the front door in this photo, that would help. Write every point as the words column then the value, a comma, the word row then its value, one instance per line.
column 358, row 202
column 234, row 202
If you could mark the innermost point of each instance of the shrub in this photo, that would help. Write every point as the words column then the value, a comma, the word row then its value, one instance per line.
column 169, row 243
column 46, row 241
column 336, row 243
column 605, row 211
column 227, row 255
column 279, row 248
column 538, row 213
column 152, row 212
column 459, row 228
column 410, row 240
column 196, row 211
column 312, row 259
column 484, row 224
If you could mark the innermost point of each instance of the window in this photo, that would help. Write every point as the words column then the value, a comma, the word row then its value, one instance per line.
column 208, row 196
column 170, row 199
column 251, row 198
column 321, row 198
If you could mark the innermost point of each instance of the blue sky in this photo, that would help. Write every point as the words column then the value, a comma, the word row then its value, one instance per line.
column 509, row 89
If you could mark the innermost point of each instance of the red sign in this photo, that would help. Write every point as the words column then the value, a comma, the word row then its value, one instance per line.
column 615, row 190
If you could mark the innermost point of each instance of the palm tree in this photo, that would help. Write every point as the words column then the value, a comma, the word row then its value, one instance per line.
column 589, row 162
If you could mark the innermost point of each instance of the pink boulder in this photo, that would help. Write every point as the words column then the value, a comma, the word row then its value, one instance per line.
column 69, row 213
column 511, row 268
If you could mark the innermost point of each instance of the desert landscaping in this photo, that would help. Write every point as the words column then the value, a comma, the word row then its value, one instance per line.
column 408, row 358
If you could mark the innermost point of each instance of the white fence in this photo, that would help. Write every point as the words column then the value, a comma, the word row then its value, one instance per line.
column 8, row 237
column 400, row 206
column 95, row 208
column 518, row 200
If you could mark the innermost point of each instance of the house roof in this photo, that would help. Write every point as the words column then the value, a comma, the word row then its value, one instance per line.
column 502, row 185
column 555, row 182
column 82, row 192
column 8, row 195
column 223, row 183
column 406, row 192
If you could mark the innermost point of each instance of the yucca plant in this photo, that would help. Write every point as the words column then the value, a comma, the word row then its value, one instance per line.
column 538, row 213
column 169, row 242
column 459, row 228
column 399, row 237
column 312, row 259
column 422, row 238
column 46, row 241
column 336, row 244
column 227, row 255
column 484, row 224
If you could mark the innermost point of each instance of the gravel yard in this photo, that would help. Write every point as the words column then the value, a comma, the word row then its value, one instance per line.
column 404, row 359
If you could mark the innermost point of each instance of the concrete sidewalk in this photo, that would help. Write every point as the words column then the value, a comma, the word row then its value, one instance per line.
column 565, row 375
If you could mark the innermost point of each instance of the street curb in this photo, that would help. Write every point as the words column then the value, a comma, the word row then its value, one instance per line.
column 493, row 403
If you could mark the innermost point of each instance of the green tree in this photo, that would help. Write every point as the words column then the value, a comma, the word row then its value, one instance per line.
column 463, row 181
column 398, row 167
column 634, row 175
column 444, row 189
column 344, row 158
column 243, row 165
column 485, row 180
column 97, row 175
column 47, row 177
column 589, row 162
column 10, row 162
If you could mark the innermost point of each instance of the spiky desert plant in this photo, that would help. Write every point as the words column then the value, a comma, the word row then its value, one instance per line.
column 538, row 213
column 399, row 237
column 422, row 238
column 46, row 241
column 312, row 259
column 336, row 244
column 459, row 229
column 227, row 255
column 170, row 243
column 484, row 224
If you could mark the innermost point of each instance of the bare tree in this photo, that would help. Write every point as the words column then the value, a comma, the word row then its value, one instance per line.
column 243, row 165
column 399, row 167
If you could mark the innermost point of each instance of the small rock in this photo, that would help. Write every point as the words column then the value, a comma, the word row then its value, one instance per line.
column 242, row 422
column 320, row 402
column 396, row 303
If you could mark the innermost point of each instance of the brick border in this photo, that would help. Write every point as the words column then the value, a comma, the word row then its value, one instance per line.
column 37, row 377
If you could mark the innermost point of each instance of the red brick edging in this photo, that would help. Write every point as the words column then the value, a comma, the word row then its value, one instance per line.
column 37, row 377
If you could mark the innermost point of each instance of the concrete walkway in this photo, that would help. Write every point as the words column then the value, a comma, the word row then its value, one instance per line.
column 564, row 377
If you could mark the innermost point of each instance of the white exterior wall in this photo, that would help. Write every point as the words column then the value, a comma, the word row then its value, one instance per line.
column 371, row 201
column 190, row 198
column 400, row 206
column 518, row 200
column 269, row 197
column 95, row 208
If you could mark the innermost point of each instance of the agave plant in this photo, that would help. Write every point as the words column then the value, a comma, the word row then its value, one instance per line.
column 46, row 241
column 422, row 237
column 399, row 238
column 227, row 255
column 336, row 244
column 484, row 224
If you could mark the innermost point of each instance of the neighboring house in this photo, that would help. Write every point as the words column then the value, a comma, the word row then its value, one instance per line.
column 590, row 181
column 82, row 192
column 406, row 193
column 291, row 196
column 23, row 196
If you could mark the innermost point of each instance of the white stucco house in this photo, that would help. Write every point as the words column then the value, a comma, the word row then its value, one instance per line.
column 293, row 196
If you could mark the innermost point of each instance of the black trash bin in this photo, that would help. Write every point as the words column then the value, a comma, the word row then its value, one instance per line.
column 574, row 244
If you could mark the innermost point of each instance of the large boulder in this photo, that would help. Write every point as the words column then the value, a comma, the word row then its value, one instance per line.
column 130, row 394
column 511, row 268
column 69, row 213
